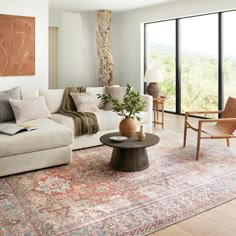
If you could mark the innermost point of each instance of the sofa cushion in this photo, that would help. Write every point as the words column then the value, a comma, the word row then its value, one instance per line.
column 116, row 92
column 107, row 120
column 110, row 120
column 95, row 91
column 49, row 135
column 6, row 112
column 53, row 98
column 29, row 109
column 66, row 121
column 29, row 93
column 84, row 102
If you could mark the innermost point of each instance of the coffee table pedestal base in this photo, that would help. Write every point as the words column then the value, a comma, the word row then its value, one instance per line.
column 129, row 160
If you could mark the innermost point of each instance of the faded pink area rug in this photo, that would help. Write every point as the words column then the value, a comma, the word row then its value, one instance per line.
column 87, row 197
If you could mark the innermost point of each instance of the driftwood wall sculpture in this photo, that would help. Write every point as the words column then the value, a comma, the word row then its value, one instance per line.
column 105, row 73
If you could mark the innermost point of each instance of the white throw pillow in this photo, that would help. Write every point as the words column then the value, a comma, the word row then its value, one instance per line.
column 29, row 109
column 116, row 92
column 84, row 102
column 98, row 90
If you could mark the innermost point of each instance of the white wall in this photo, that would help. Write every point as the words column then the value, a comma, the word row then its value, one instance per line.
column 54, row 19
column 128, row 35
column 39, row 10
column 77, row 48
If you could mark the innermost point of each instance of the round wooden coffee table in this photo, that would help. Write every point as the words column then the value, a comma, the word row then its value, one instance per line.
column 130, row 155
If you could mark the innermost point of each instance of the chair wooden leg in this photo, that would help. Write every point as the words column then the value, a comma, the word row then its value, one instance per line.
column 228, row 143
column 198, row 144
column 185, row 131
column 198, row 139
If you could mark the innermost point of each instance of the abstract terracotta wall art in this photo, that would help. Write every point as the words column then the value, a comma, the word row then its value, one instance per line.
column 17, row 45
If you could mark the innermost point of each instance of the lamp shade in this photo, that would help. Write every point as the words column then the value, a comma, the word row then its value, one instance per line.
column 153, row 75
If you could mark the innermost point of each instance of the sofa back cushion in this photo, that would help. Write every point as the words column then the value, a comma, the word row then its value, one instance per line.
column 29, row 93
column 53, row 98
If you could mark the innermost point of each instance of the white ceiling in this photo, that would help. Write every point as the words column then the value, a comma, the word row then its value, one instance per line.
column 94, row 5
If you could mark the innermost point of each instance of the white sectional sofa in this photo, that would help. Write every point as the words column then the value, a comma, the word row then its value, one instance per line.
column 52, row 143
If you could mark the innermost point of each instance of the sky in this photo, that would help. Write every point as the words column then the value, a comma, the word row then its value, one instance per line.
column 198, row 34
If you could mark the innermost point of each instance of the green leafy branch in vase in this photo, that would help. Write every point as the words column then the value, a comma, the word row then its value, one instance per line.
column 131, row 105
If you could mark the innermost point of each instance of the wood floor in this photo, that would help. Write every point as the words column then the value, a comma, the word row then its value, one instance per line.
column 219, row 221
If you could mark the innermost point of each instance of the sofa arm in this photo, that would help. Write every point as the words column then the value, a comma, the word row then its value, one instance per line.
column 149, row 109
column 149, row 102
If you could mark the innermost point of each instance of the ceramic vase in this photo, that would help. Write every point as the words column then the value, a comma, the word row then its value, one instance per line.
column 141, row 134
column 128, row 127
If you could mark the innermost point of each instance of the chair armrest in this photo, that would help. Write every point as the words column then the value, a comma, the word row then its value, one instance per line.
column 203, row 112
column 221, row 120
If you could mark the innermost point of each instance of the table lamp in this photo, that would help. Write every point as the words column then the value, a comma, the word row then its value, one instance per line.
column 153, row 76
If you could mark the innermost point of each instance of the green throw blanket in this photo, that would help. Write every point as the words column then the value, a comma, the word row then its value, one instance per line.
column 85, row 122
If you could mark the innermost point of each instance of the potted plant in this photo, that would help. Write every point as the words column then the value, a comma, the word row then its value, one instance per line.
column 129, row 108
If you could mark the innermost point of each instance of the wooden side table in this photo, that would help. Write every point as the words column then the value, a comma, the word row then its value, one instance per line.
column 158, row 106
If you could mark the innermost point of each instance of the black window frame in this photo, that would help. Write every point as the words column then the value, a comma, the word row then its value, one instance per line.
column 178, row 58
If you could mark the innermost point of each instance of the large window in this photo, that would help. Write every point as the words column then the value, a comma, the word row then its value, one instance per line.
column 199, row 51
column 160, row 50
column 197, row 56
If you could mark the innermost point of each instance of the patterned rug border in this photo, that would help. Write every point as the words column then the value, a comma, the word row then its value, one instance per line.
column 189, row 215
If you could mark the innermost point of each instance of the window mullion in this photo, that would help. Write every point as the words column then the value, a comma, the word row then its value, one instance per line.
column 178, row 67
column 220, row 63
